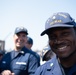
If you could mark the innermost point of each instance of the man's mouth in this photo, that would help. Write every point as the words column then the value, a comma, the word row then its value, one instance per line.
column 61, row 48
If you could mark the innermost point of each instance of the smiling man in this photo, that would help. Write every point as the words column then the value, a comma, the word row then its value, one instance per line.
column 20, row 61
column 61, row 31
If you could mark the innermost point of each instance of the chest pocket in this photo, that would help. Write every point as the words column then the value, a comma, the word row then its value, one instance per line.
column 20, row 63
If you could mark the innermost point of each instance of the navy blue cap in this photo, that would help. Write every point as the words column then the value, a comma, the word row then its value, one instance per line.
column 29, row 40
column 45, row 50
column 21, row 29
column 60, row 19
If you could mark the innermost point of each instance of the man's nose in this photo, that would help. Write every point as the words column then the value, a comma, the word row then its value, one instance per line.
column 58, row 40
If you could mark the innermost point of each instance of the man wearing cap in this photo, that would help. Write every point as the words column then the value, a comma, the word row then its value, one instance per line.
column 29, row 42
column 20, row 61
column 29, row 45
column 47, row 54
column 61, row 31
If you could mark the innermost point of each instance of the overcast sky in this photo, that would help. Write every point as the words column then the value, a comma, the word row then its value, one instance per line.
column 32, row 14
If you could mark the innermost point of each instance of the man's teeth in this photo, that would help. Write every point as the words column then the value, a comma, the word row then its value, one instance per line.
column 62, row 47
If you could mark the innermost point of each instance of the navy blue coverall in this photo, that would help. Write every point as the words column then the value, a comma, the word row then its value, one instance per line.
column 24, row 63
column 52, row 67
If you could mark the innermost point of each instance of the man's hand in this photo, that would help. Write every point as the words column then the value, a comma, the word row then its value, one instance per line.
column 7, row 72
